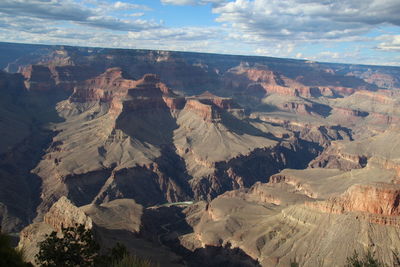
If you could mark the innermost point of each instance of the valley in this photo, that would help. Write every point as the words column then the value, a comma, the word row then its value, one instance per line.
column 265, row 160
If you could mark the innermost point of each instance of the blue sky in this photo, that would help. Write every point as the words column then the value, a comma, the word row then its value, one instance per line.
column 348, row 31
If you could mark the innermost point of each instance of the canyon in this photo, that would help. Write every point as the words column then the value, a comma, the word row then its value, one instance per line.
column 193, row 159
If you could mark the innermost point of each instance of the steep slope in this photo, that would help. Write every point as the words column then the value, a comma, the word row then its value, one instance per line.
column 380, row 150
column 298, row 217
column 138, row 139
column 103, row 143
column 22, row 139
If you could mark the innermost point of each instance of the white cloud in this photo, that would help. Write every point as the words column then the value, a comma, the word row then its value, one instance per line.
column 303, row 20
column 191, row 2
column 250, row 27
column 284, row 49
column 138, row 14
column 127, row 6
column 181, row 34
column 329, row 54
column 391, row 43
column 70, row 11
column 178, row 2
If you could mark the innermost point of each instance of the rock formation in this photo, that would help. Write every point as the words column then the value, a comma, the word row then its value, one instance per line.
column 275, row 152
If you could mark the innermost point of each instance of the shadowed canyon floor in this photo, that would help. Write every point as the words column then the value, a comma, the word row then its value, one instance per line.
column 279, row 159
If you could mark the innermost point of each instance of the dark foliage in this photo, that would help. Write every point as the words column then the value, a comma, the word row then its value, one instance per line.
column 367, row 260
column 76, row 247
column 10, row 256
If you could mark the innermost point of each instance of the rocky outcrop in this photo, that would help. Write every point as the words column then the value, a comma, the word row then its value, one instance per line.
column 377, row 202
column 38, row 77
column 210, row 107
column 271, row 82
column 382, row 80
column 334, row 158
column 109, row 85
column 64, row 214
column 306, row 108
column 349, row 114
column 116, row 89
column 207, row 112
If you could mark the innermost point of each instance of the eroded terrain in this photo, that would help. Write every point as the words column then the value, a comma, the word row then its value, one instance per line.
column 269, row 160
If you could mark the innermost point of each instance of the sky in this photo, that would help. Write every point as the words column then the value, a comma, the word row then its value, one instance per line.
column 345, row 31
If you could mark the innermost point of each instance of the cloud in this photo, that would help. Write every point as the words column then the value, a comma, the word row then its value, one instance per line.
column 69, row 11
column 191, row 2
column 127, row 6
column 290, row 28
column 112, row 23
column 283, row 49
column 52, row 9
column 304, row 20
column 169, row 40
column 137, row 14
column 329, row 54
column 179, row 34
column 391, row 43
column 179, row 2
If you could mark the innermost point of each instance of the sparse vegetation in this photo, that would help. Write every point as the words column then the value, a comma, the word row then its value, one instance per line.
column 76, row 246
column 367, row 260
column 10, row 256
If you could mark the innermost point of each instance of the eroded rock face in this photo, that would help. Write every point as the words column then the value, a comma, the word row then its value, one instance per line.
column 64, row 214
column 207, row 112
column 333, row 158
column 376, row 199
column 38, row 77
column 104, row 88
column 266, row 219
column 383, row 80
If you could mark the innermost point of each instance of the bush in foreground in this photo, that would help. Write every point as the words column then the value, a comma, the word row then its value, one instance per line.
column 10, row 256
column 76, row 246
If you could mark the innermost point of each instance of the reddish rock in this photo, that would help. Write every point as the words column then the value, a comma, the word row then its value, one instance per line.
column 225, row 103
column 334, row 158
column 376, row 199
column 207, row 112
